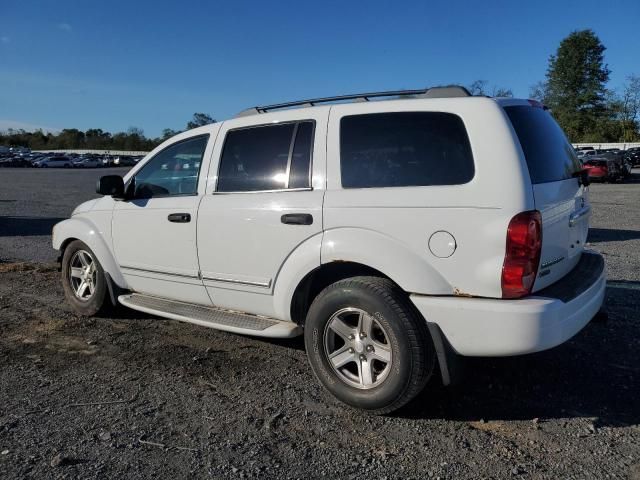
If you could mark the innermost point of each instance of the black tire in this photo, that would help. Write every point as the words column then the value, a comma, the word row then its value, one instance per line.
column 99, row 300
column 413, row 354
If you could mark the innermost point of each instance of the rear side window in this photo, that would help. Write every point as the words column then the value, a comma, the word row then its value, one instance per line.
column 404, row 149
column 550, row 157
column 271, row 157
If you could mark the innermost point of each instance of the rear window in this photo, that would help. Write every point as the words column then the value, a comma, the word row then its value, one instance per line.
column 404, row 149
column 550, row 157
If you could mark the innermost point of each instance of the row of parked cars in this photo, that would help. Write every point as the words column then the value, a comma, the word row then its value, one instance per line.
column 72, row 160
column 610, row 164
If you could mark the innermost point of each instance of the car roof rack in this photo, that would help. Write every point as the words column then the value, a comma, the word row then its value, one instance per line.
column 447, row 91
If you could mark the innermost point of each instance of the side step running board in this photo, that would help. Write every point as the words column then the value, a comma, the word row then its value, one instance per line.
column 217, row 318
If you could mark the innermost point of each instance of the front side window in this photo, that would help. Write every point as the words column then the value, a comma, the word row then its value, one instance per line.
column 173, row 171
column 271, row 157
column 403, row 149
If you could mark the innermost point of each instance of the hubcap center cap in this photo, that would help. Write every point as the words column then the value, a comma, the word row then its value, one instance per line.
column 358, row 346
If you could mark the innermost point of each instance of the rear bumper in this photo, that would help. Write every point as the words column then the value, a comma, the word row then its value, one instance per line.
column 486, row 327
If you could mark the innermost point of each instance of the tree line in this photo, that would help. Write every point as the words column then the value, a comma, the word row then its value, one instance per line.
column 574, row 89
column 94, row 138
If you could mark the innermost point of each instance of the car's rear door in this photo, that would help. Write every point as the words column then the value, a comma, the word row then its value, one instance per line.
column 265, row 201
column 558, row 193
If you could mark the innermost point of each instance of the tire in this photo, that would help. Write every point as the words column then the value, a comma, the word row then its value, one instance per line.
column 87, row 303
column 397, row 332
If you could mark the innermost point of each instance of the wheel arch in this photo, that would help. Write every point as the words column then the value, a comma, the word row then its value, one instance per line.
column 321, row 277
column 336, row 254
column 83, row 229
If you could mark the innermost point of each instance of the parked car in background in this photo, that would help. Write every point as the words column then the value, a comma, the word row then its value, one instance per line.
column 15, row 162
column 586, row 153
column 124, row 161
column 90, row 162
column 55, row 162
column 107, row 161
column 608, row 167
column 599, row 169
column 632, row 155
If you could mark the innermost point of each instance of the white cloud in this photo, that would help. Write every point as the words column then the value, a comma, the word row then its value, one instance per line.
column 4, row 40
column 29, row 127
column 64, row 26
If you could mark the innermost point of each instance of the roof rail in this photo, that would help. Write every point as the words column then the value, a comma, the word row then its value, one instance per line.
column 433, row 92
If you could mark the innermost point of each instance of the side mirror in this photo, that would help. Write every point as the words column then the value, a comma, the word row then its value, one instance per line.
column 111, row 185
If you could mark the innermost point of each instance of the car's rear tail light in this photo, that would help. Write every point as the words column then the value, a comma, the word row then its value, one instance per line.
column 522, row 256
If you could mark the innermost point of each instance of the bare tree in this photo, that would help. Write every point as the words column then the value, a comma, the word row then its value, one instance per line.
column 481, row 87
column 478, row 87
column 630, row 107
column 501, row 92
column 538, row 91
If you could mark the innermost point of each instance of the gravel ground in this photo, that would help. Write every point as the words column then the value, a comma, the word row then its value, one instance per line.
column 32, row 201
column 132, row 396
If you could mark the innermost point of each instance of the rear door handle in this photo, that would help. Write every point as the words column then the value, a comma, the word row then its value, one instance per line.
column 297, row 219
column 179, row 217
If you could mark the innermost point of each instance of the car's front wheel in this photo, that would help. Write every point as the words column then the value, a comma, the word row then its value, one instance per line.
column 83, row 279
column 367, row 345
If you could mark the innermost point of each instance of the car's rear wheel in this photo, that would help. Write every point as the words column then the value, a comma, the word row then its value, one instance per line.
column 83, row 280
column 367, row 344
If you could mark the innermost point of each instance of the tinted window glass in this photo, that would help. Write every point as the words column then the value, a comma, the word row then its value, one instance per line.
column 404, row 149
column 550, row 157
column 173, row 171
column 299, row 175
column 255, row 159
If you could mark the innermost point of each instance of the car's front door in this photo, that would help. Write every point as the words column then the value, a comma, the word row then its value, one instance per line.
column 154, row 233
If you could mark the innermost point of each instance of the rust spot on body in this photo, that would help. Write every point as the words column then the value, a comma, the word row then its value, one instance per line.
column 459, row 293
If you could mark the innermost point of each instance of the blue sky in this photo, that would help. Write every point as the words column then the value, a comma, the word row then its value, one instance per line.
column 152, row 64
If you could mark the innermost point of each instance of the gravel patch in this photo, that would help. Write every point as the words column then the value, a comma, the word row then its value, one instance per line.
column 134, row 396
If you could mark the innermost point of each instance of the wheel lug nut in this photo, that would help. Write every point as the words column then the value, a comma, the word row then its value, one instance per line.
column 369, row 348
column 363, row 335
column 363, row 358
column 352, row 337
column 351, row 350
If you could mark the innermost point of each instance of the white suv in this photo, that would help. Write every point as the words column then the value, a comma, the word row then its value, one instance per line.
column 395, row 234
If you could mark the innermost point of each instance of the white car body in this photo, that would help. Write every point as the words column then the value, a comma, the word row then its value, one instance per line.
column 237, row 255
column 88, row 163
column 55, row 162
column 586, row 153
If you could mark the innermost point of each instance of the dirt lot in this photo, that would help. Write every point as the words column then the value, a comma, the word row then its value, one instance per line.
column 134, row 396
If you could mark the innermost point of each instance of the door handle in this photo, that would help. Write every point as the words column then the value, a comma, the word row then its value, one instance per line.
column 573, row 219
column 179, row 217
column 297, row 219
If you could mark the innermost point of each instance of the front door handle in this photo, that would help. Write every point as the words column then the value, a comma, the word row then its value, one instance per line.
column 297, row 219
column 179, row 217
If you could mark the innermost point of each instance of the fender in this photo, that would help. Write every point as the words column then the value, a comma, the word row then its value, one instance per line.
column 411, row 271
column 82, row 228
column 303, row 260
